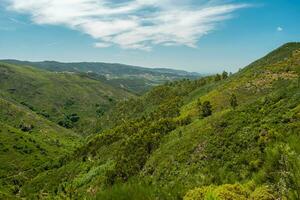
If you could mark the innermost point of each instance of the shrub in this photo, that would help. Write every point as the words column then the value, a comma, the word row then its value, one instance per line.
column 262, row 193
column 206, row 109
column 69, row 120
column 73, row 117
column 65, row 123
column 26, row 127
column 230, row 192
column 198, row 193
column 44, row 114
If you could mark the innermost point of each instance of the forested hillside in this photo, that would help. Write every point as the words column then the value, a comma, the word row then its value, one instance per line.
column 27, row 142
column 219, row 137
column 73, row 101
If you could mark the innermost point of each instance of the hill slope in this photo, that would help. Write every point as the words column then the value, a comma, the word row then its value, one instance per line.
column 28, row 141
column 218, row 137
column 71, row 100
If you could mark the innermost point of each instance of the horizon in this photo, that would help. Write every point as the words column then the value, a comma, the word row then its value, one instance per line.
column 236, row 32
column 153, row 67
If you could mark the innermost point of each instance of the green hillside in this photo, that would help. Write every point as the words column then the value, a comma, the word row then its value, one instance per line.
column 216, row 138
column 72, row 100
column 27, row 142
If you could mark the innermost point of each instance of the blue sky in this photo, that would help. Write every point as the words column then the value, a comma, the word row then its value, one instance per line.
column 194, row 35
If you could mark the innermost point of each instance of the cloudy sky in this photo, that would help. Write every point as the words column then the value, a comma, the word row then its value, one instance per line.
column 196, row 35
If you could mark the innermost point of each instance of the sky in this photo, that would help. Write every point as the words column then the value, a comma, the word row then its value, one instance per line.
column 205, row 36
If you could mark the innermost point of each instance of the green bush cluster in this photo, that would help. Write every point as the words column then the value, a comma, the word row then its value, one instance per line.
column 69, row 120
column 230, row 192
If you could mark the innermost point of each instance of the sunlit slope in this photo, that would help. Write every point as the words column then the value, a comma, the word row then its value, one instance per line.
column 161, row 145
column 242, row 144
column 257, row 79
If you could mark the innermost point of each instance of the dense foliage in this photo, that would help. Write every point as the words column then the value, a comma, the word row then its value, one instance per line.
column 219, row 137
column 68, row 99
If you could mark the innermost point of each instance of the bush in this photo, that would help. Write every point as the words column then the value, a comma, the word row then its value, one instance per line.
column 262, row 193
column 65, row 123
column 26, row 127
column 44, row 114
column 74, row 118
column 206, row 109
column 69, row 120
column 133, row 191
column 198, row 193
column 230, row 192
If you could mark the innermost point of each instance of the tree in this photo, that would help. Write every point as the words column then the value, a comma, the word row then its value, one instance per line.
column 206, row 109
column 218, row 77
column 233, row 101
column 224, row 75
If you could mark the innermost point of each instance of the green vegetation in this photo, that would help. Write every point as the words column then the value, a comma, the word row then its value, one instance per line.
column 68, row 99
column 220, row 137
column 228, row 191
column 27, row 142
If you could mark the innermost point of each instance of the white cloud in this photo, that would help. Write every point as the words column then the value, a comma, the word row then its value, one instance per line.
column 102, row 45
column 132, row 24
column 279, row 29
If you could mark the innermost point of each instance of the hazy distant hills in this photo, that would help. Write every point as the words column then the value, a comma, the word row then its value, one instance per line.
column 133, row 78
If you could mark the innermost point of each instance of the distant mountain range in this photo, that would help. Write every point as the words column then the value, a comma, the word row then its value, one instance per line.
column 133, row 78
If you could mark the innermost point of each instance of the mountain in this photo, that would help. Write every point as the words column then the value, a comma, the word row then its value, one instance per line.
column 133, row 78
column 71, row 100
column 218, row 137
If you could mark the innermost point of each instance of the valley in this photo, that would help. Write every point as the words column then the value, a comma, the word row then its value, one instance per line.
column 73, row 133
